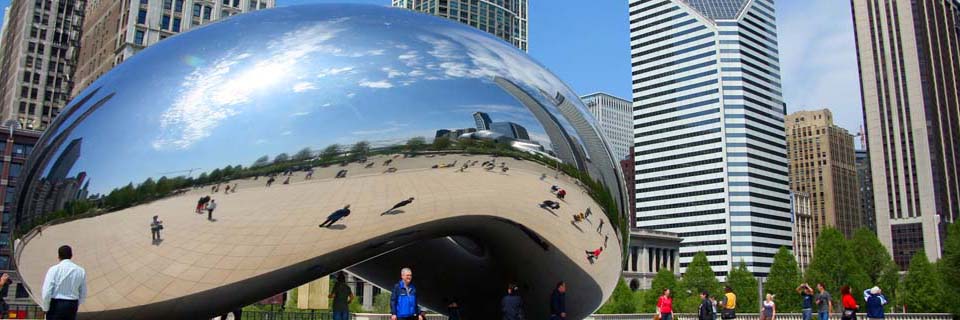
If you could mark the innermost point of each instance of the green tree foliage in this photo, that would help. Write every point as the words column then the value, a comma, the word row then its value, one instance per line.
column 360, row 150
column 381, row 302
column 921, row 289
column 280, row 158
column 834, row 265
column 745, row 286
column 890, row 282
column 621, row 301
column 665, row 279
column 441, row 143
column 783, row 280
column 699, row 277
column 950, row 266
column 330, row 152
column 303, row 154
column 261, row 161
column 870, row 254
column 416, row 144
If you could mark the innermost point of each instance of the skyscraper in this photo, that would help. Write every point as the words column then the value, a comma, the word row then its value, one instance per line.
column 867, row 214
column 708, row 129
column 40, row 42
column 823, row 166
column 506, row 19
column 510, row 129
column 482, row 119
column 115, row 30
column 909, row 74
column 613, row 116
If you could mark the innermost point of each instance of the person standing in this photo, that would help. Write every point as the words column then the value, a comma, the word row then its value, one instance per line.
column 155, row 228
column 200, row 204
column 512, row 305
column 4, row 288
column 875, row 302
column 600, row 227
column 342, row 297
column 453, row 309
column 336, row 216
column 849, row 304
column 825, row 301
column 665, row 305
column 806, row 301
column 728, row 304
column 210, row 207
column 558, row 302
column 769, row 310
column 403, row 298
column 706, row 309
column 64, row 287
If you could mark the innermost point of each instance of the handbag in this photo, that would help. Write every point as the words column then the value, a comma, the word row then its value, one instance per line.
column 728, row 314
column 849, row 314
column 656, row 316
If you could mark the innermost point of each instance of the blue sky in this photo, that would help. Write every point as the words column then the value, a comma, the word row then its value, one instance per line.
column 587, row 46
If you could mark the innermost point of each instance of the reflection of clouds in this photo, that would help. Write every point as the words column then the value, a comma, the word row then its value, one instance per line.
column 210, row 95
column 376, row 131
column 260, row 141
column 334, row 71
column 286, row 133
column 351, row 95
column 300, row 114
column 381, row 84
column 303, row 86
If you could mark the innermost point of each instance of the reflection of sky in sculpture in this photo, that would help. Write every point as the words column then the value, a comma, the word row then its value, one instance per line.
column 233, row 91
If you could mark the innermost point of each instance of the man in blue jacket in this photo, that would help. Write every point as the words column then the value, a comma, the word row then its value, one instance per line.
column 403, row 299
column 875, row 302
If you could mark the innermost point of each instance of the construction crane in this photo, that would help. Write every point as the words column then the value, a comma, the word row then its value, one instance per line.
column 188, row 171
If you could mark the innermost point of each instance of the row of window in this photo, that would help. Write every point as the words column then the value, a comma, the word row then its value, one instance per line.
column 680, row 166
column 680, row 185
column 685, row 224
column 680, row 175
column 678, row 146
column 678, row 127
column 681, row 205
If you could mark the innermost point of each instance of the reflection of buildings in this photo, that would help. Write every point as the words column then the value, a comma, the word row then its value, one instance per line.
column 649, row 252
column 40, row 44
column 910, row 104
column 510, row 129
column 822, row 165
column 867, row 215
column 803, row 229
column 57, row 188
column 708, row 113
column 115, row 30
column 615, row 118
column 14, row 150
column 453, row 133
column 506, row 19
column 626, row 166
column 482, row 120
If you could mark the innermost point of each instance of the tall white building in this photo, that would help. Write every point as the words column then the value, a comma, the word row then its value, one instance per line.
column 506, row 19
column 710, row 158
column 615, row 118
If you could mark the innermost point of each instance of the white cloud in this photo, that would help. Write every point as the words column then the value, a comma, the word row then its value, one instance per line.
column 351, row 95
column 303, row 86
column 375, row 131
column 286, row 133
column 325, row 105
column 334, row 71
column 300, row 114
column 382, row 84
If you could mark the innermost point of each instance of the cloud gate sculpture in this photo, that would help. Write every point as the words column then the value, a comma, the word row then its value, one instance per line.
column 286, row 115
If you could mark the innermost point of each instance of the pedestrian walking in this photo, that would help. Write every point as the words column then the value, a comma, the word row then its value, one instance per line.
column 561, row 194
column 550, row 204
column 342, row 297
column 606, row 238
column 665, row 305
column 728, row 304
column 600, row 227
column 287, row 180
column 336, row 216
column 849, row 304
column 227, row 190
column 210, row 207
column 824, row 301
column 875, row 302
column 512, row 305
column 806, row 301
column 769, row 309
column 403, row 299
column 399, row 205
column 587, row 213
column 705, row 311
column 594, row 255
column 234, row 188
column 270, row 181
column 155, row 226
column 554, row 189
column 64, row 287
column 558, row 302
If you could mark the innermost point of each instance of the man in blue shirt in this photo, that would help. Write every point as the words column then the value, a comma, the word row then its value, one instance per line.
column 64, row 288
column 403, row 299
column 875, row 302
column 806, row 296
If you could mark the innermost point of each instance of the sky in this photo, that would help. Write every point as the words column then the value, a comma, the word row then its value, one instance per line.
column 588, row 47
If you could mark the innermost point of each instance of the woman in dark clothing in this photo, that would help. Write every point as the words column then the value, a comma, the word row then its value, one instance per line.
column 512, row 304
column 706, row 309
column 558, row 302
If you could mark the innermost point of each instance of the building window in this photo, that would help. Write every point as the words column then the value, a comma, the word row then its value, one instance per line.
column 196, row 10
column 144, row 2
column 142, row 17
column 178, row 6
column 236, row 3
column 206, row 12
column 167, row 4
column 15, row 170
column 176, row 24
column 138, row 37
column 226, row 2
column 165, row 22
column 22, row 150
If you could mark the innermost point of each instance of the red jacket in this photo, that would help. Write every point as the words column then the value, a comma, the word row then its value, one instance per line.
column 849, row 302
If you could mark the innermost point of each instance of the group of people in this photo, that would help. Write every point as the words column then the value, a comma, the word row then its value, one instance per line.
column 873, row 298
column 227, row 189
column 206, row 204
column 345, row 211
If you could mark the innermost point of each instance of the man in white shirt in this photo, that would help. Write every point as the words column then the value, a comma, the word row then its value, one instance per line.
column 64, row 287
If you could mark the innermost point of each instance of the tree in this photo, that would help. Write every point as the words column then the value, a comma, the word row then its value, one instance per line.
column 329, row 152
column 870, row 254
column 416, row 143
column 833, row 264
column 783, row 280
column 890, row 282
column 621, row 301
column 950, row 265
column 665, row 279
column 303, row 154
column 699, row 277
column 745, row 286
column 359, row 150
column 381, row 302
column 283, row 157
column 921, row 290
column 441, row 143
column 261, row 161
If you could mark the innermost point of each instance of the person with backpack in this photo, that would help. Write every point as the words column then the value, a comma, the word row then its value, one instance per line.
column 512, row 304
column 706, row 307
column 403, row 299
column 875, row 302
column 728, row 304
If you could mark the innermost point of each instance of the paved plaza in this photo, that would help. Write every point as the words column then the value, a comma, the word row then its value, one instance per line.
column 260, row 229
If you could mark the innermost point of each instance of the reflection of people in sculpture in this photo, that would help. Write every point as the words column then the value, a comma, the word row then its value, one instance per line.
column 287, row 180
column 155, row 228
column 561, row 194
column 594, row 255
column 600, row 227
column 550, row 204
column 4, row 287
column 210, row 206
column 398, row 205
column 234, row 188
column 227, row 190
column 270, row 181
column 335, row 216
column 512, row 305
column 403, row 299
